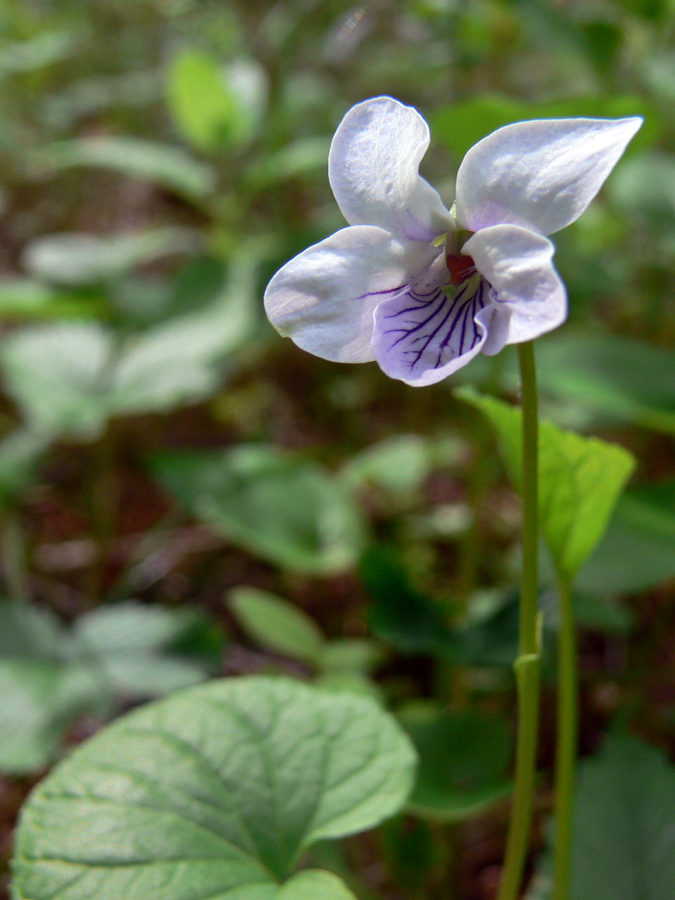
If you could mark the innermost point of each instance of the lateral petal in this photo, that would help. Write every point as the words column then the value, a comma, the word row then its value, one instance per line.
column 324, row 298
column 422, row 335
column 540, row 174
column 528, row 296
column 373, row 170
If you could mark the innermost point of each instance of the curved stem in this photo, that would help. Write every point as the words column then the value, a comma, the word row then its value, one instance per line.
column 566, row 745
column 528, row 662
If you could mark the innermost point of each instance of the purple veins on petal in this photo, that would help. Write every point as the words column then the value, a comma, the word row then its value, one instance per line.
column 417, row 332
column 382, row 293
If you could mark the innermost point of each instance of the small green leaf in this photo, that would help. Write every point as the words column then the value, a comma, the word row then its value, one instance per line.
column 303, row 157
column 624, row 834
column 140, row 649
column 638, row 549
column 250, row 493
column 351, row 655
column 56, row 373
column 42, row 50
column 215, row 791
column 580, row 480
column 41, row 691
column 81, row 259
column 20, row 453
column 170, row 167
column 207, row 112
column 71, row 378
column 277, row 624
column 314, row 884
column 400, row 615
column 464, row 760
column 25, row 298
column 181, row 360
column 399, row 465
column 49, row 674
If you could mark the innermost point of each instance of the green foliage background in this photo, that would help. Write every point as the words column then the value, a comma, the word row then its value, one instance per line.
column 184, row 495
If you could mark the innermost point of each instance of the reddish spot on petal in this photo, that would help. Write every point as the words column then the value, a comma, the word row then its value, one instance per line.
column 460, row 267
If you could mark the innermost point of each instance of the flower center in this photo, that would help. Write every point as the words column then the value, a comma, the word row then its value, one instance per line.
column 460, row 267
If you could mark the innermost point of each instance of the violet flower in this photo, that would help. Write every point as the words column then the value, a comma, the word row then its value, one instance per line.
column 422, row 289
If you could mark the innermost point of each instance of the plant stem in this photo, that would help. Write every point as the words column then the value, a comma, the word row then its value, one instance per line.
column 103, row 510
column 13, row 554
column 528, row 661
column 566, row 744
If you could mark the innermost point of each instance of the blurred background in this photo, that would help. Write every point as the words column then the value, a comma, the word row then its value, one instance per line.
column 184, row 495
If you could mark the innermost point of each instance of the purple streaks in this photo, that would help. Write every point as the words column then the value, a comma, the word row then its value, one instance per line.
column 432, row 328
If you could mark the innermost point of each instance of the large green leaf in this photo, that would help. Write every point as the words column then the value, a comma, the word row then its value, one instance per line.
column 464, row 759
column 213, row 792
column 624, row 836
column 580, row 480
column 276, row 504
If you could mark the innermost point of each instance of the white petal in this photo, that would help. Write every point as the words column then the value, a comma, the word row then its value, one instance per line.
column 324, row 298
column 373, row 170
column 421, row 335
column 540, row 174
column 529, row 297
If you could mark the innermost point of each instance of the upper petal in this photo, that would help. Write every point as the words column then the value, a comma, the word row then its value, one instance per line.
column 528, row 295
column 540, row 174
column 324, row 298
column 373, row 170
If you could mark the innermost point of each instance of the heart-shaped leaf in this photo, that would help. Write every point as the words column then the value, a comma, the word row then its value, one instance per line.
column 213, row 792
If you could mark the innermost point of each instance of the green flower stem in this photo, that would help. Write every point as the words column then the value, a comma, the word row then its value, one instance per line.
column 566, row 745
column 528, row 663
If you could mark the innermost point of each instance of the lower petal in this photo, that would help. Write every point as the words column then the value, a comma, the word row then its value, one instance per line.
column 324, row 298
column 422, row 336
column 528, row 295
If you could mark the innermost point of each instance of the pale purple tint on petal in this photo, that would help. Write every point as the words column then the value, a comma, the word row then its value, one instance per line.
column 324, row 298
column 541, row 174
column 422, row 336
column 527, row 293
column 373, row 170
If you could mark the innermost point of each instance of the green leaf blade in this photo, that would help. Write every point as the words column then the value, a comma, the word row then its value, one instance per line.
column 250, row 493
column 624, row 846
column 580, row 480
column 278, row 624
column 214, row 791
